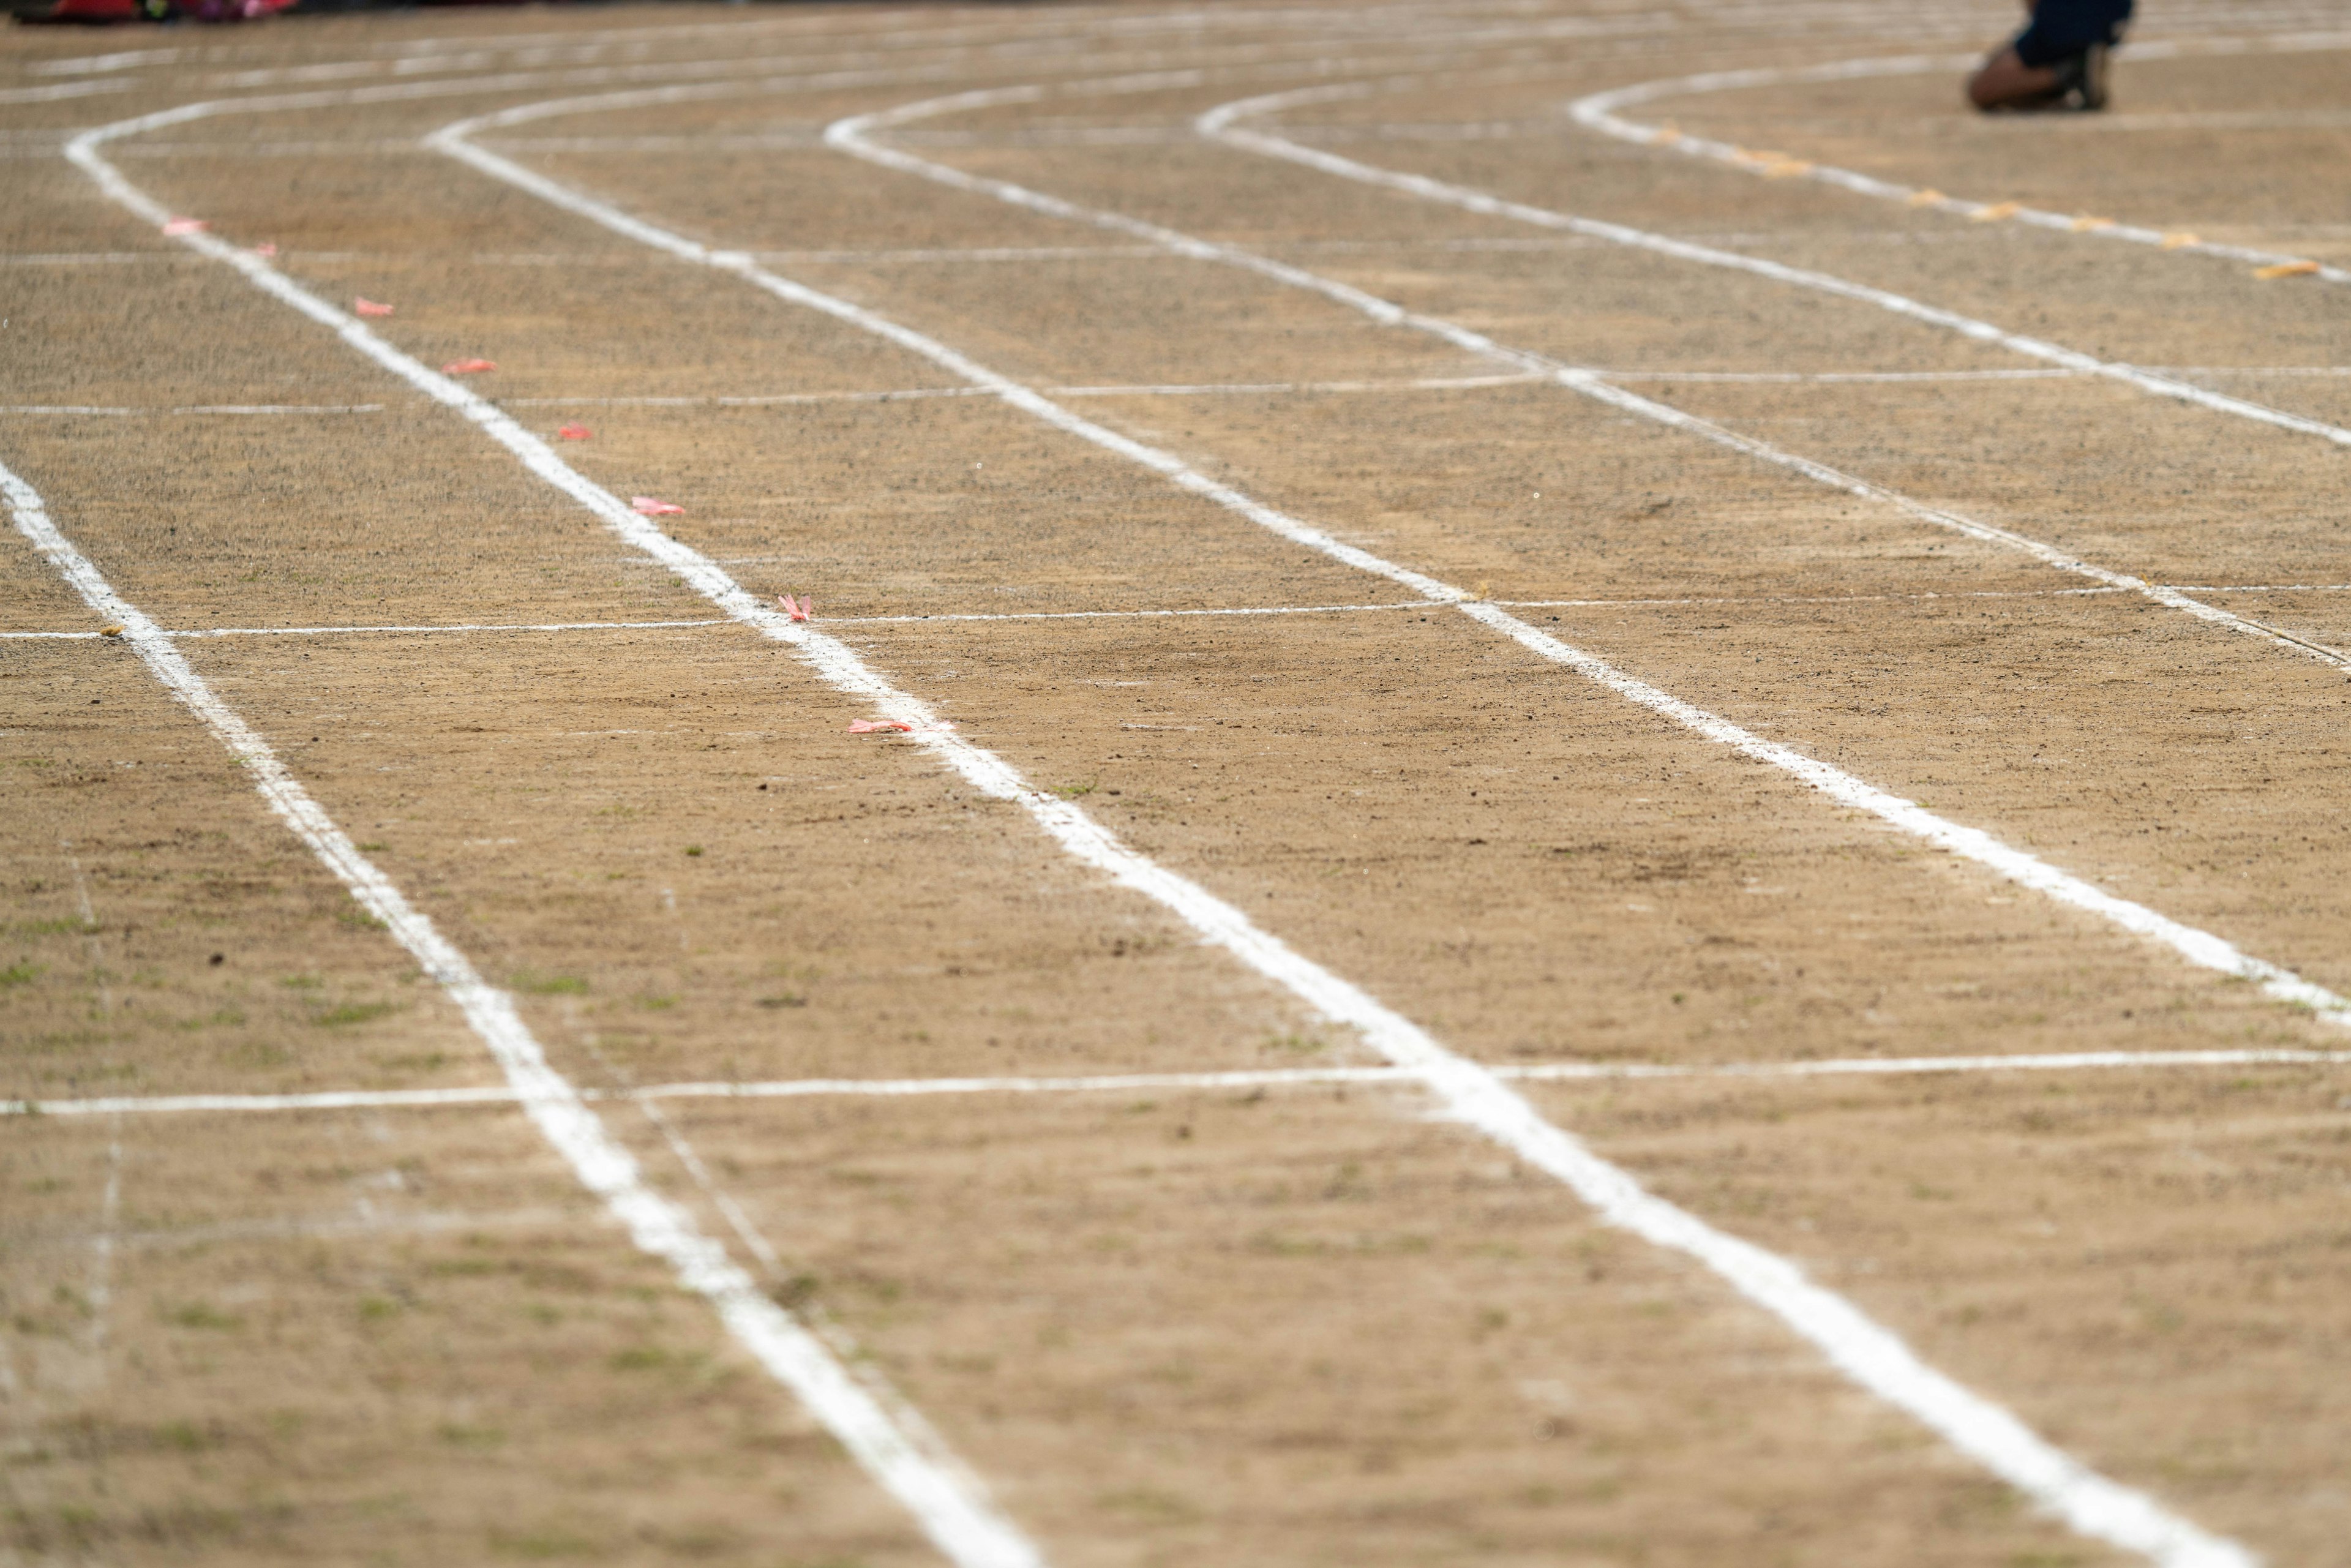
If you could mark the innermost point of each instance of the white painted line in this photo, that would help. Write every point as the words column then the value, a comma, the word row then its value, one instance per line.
column 484, row 626
column 963, row 1523
column 1598, row 111
column 1864, row 1350
column 297, row 408
column 85, row 258
column 1216, row 389
column 1242, row 610
column 356, row 631
column 1218, row 124
column 90, row 65
column 62, row 89
column 854, row 136
column 1144, row 1082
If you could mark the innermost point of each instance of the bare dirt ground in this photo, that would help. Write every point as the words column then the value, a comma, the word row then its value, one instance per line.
column 1148, row 1257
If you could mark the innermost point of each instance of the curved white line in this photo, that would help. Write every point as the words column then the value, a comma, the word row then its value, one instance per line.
column 852, row 135
column 933, row 1485
column 1219, row 125
column 1598, row 112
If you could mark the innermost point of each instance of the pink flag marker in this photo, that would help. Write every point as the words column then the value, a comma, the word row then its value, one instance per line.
column 879, row 726
column 652, row 508
column 370, row 308
column 266, row 248
column 798, row 609
column 574, row 432
column 467, row 367
column 177, row 226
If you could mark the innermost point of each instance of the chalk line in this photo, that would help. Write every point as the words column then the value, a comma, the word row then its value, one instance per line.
column 961, row 1521
column 854, row 135
column 1597, row 111
column 1144, row 1082
column 1864, row 1350
column 1218, row 124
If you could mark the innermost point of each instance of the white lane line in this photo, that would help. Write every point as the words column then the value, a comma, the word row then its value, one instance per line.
column 1243, row 609
column 1200, row 389
column 1864, row 1350
column 854, row 135
column 91, row 64
column 359, row 631
column 911, row 394
column 1598, row 112
column 62, row 89
column 1139, row 1083
column 1218, row 124
column 230, row 408
column 962, row 1522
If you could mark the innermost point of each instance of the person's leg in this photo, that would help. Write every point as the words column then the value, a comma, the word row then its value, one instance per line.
column 2005, row 81
column 2061, row 56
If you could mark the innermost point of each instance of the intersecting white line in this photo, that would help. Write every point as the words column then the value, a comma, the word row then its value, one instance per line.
column 1139, row 1083
column 946, row 617
column 1219, row 125
column 854, row 135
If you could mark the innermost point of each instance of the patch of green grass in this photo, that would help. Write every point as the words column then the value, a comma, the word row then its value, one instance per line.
column 349, row 1013
column 19, row 974
column 376, row 1309
column 694, row 849
column 1294, row 1045
column 538, row 1546
column 537, row 985
column 654, row 1003
column 653, row 1358
column 203, row 1315
column 786, row 999
column 75, row 926
column 463, row 1437
column 1149, row 1506
column 374, row 847
column 1072, row 791
column 359, row 919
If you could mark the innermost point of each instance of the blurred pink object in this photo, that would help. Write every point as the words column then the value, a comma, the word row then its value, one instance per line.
column 575, row 431
column 370, row 308
column 176, row 227
column 654, row 508
column 467, row 367
column 798, row 609
column 880, row 726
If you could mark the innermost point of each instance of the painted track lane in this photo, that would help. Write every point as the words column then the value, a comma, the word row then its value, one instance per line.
column 1473, row 1092
column 992, row 457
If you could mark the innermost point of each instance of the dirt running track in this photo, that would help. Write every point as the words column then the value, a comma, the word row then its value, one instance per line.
column 1991, row 1202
